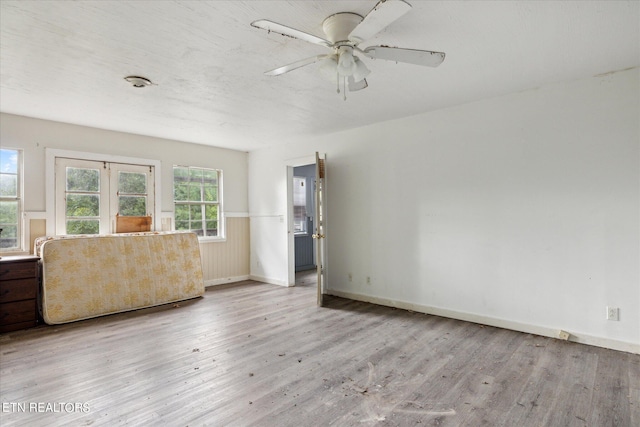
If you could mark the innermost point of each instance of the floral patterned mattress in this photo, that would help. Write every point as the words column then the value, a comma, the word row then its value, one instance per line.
column 90, row 276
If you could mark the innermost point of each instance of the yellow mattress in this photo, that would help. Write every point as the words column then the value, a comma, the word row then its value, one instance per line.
column 89, row 276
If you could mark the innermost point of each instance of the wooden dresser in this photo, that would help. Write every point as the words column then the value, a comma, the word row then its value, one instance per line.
column 18, row 292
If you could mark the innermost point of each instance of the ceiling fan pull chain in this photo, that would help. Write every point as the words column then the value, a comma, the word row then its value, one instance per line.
column 344, row 87
column 337, row 82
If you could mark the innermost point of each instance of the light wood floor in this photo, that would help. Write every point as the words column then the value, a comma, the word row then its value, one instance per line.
column 263, row 355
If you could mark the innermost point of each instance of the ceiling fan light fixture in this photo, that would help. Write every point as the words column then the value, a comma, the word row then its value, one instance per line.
column 328, row 68
column 346, row 63
column 361, row 71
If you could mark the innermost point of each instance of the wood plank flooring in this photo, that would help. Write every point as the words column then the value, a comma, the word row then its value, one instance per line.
column 254, row 354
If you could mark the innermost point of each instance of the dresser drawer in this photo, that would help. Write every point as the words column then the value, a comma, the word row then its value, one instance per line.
column 17, row 312
column 18, row 270
column 16, row 290
column 17, row 326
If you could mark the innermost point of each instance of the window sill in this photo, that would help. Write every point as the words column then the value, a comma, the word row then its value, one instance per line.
column 13, row 253
column 211, row 239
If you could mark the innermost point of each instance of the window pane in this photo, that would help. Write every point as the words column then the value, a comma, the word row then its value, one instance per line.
column 83, row 226
column 210, row 176
column 210, row 193
column 9, row 161
column 299, row 191
column 180, row 174
column 181, row 192
column 8, row 185
column 194, row 193
column 9, row 224
column 9, row 236
column 195, row 174
column 211, row 232
column 132, row 205
column 182, row 213
column 182, row 225
column 211, row 212
column 196, row 212
column 82, row 205
column 300, row 219
column 83, row 179
column 132, row 183
column 9, row 212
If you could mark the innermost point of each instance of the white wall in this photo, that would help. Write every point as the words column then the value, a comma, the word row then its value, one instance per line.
column 520, row 211
column 34, row 135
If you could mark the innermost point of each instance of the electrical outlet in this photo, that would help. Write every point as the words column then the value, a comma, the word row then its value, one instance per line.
column 613, row 313
column 368, row 280
column 350, row 277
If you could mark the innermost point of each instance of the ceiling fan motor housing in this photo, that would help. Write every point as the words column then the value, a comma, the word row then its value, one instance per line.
column 338, row 26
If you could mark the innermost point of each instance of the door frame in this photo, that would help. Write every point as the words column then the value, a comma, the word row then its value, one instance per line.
column 291, row 253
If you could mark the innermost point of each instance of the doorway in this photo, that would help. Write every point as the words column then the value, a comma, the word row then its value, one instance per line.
column 304, row 217
column 315, row 208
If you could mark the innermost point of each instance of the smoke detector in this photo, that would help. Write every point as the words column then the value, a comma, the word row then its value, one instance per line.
column 137, row 81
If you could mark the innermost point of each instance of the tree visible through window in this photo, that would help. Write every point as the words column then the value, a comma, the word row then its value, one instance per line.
column 82, row 201
column 10, row 201
column 132, row 194
column 196, row 195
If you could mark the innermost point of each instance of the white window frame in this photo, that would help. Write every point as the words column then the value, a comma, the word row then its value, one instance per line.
column 108, row 190
column 50, row 189
column 114, row 204
column 222, row 234
column 61, row 191
column 20, row 238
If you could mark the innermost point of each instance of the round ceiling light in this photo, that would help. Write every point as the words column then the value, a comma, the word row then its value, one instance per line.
column 138, row 81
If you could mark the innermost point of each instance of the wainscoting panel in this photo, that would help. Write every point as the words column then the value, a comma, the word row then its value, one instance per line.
column 228, row 261
column 37, row 228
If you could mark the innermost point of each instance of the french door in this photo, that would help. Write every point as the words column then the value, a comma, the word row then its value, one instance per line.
column 90, row 194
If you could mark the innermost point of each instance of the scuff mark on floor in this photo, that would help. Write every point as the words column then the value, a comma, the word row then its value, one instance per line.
column 375, row 410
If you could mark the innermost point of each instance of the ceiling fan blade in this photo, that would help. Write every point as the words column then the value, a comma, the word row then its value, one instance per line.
column 410, row 56
column 383, row 14
column 354, row 85
column 294, row 65
column 283, row 30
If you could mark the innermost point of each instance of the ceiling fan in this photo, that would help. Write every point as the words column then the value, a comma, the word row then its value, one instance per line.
column 344, row 32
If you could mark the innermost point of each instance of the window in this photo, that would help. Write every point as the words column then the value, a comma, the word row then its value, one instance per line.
column 90, row 194
column 82, row 200
column 299, row 205
column 196, row 196
column 10, row 200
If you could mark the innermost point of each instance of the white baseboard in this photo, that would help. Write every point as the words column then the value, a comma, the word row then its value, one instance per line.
column 267, row 280
column 491, row 321
column 224, row 281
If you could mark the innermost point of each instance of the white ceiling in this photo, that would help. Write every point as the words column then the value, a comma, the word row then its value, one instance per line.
column 66, row 60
